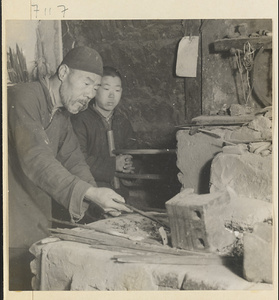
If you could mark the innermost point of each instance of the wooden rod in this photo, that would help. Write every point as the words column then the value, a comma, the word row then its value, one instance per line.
column 139, row 176
column 117, row 234
column 144, row 151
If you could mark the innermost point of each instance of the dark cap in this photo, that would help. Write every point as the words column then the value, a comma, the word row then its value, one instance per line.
column 84, row 59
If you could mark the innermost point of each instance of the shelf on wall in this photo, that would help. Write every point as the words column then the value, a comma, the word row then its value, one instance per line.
column 238, row 43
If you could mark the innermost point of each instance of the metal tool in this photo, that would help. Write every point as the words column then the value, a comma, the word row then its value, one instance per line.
column 216, row 136
column 184, row 126
column 109, row 232
column 141, row 213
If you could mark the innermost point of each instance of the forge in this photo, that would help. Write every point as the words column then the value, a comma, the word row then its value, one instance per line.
column 226, row 190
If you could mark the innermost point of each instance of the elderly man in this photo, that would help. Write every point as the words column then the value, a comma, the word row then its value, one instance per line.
column 45, row 161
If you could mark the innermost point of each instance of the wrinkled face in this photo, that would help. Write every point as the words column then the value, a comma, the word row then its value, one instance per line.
column 109, row 93
column 77, row 88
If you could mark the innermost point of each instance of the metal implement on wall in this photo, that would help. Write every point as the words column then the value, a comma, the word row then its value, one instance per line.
column 260, row 63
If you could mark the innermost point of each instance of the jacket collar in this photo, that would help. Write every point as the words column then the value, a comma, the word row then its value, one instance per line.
column 50, row 103
column 45, row 85
column 92, row 108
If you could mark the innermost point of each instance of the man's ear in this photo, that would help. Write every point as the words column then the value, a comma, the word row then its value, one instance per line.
column 63, row 72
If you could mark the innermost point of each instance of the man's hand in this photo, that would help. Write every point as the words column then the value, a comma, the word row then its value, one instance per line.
column 104, row 198
column 124, row 164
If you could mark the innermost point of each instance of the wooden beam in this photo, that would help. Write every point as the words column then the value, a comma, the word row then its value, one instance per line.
column 238, row 43
column 193, row 93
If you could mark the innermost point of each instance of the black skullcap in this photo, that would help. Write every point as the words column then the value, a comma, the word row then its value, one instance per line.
column 84, row 59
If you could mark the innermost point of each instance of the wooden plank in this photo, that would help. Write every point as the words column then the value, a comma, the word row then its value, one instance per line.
column 238, row 43
column 248, row 141
column 193, row 85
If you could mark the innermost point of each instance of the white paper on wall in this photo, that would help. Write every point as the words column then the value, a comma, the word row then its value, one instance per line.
column 187, row 56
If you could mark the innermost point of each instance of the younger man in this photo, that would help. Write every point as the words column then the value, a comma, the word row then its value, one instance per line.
column 91, row 128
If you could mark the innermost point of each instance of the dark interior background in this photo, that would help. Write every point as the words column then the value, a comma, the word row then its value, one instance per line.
column 154, row 98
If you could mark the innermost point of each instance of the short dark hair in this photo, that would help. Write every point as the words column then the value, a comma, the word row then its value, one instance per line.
column 111, row 71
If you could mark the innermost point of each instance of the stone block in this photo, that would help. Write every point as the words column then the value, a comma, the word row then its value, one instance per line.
column 194, row 156
column 236, row 149
column 244, row 133
column 213, row 221
column 249, row 175
column 260, row 123
column 244, row 213
column 257, row 264
column 238, row 109
column 196, row 221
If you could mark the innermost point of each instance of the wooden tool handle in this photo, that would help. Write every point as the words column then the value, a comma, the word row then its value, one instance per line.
column 111, row 144
column 110, row 137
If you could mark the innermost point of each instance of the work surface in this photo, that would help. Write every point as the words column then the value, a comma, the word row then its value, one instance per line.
column 135, row 260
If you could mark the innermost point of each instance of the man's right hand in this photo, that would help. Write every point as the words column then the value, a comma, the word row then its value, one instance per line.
column 103, row 197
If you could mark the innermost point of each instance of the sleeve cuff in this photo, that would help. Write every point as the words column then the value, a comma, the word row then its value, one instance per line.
column 77, row 205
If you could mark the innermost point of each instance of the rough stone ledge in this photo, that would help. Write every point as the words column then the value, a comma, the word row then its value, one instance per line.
column 74, row 266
